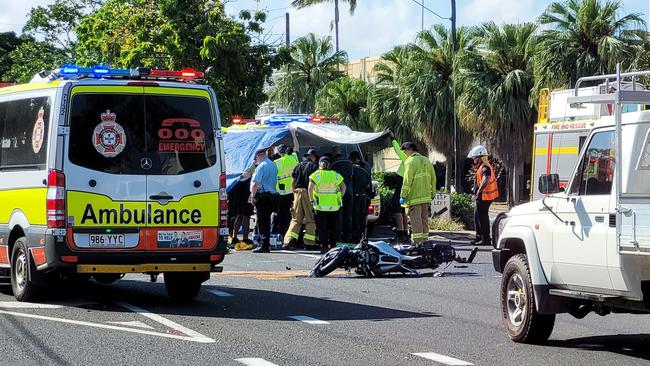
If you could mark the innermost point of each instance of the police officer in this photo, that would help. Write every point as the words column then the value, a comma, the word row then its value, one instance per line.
column 417, row 190
column 326, row 187
column 302, row 210
column 285, row 165
column 263, row 193
column 363, row 193
column 340, row 164
column 485, row 191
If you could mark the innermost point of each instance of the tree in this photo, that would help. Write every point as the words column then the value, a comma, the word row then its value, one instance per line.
column 312, row 64
column 346, row 99
column 174, row 34
column 431, row 89
column 31, row 57
column 388, row 96
column 496, row 100
column 8, row 43
column 587, row 37
column 306, row 3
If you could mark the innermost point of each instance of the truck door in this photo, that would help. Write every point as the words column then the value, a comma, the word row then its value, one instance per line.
column 182, row 171
column 105, row 184
column 580, row 245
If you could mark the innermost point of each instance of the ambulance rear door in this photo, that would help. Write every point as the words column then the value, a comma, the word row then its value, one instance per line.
column 183, row 169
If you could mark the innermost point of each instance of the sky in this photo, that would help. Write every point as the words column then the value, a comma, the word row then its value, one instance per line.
column 376, row 26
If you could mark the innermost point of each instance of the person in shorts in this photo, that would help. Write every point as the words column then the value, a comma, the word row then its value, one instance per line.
column 240, row 211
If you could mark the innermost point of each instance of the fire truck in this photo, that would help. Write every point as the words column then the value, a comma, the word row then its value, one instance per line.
column 562, row 128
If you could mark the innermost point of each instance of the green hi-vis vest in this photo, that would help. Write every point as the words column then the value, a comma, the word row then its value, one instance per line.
column 327, row 194
column 285, row 166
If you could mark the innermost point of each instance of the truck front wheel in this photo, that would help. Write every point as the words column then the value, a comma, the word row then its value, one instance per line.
column 518, row 313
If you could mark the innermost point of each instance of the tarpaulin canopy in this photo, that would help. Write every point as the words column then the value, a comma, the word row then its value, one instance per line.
column 241, row 142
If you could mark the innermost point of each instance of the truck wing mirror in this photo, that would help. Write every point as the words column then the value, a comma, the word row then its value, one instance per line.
column 549, row 184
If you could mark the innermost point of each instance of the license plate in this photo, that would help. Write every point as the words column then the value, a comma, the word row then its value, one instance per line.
column 106, row 240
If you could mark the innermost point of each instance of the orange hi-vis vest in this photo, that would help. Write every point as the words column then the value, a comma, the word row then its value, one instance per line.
column 491, row 191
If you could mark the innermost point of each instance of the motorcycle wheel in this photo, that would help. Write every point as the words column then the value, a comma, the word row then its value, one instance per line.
column 330, row 261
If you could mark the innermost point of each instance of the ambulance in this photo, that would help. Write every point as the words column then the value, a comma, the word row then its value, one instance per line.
column 562, row 129
column 107, row 171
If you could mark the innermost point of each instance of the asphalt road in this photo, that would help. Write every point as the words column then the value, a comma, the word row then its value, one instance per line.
column 264, row 310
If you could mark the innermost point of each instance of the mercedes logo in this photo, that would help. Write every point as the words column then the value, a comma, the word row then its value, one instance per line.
column 146, row 163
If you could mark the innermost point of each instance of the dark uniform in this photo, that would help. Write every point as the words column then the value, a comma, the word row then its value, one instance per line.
column 362, row 182
column 343, row 166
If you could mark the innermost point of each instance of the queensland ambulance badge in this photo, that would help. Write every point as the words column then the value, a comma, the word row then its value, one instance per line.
column 38, row 132
column 109, row 137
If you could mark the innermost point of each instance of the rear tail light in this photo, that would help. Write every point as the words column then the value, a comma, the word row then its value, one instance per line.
column 55, row 199
column 371, row 209
column 223, row 203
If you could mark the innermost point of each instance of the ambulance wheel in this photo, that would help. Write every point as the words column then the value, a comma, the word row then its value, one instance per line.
column 183, row 286
column 23, row 287
column 518, row 313
column 108, row 278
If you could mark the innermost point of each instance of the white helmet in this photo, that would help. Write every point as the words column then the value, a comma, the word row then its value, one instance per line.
column 478, row 150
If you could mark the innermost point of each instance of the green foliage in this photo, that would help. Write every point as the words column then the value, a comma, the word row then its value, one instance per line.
column 8, row 43
column 462, row 209
column 312, row 64
column 346, row 99
column 178, row 34
column 445, row 224
column 31, row 57
column 586, row 37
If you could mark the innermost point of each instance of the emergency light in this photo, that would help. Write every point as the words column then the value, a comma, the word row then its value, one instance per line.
column 101, row 71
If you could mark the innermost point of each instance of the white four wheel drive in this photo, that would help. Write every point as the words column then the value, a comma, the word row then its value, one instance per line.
column 585, row 248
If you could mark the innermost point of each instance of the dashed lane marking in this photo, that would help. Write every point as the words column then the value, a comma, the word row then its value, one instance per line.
column 251, row 361
column 220, row 293
column 27, row 305
column 445, row 360
column 308, row 320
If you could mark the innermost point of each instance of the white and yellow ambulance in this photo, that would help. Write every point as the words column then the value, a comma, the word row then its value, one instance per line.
column 107, row 171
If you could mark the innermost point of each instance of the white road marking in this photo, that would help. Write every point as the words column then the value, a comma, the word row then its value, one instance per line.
column 220, row 293
column 166, row 322
column 446, row 360
column 251, row 361
column 27, row 305
column 302, row 254
column 112, row 327
column 308, row 320
column 135, row 323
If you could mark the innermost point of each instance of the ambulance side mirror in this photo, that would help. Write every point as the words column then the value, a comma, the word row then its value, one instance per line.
column 549, row 184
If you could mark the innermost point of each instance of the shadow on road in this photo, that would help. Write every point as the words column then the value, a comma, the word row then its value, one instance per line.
column 632, row 345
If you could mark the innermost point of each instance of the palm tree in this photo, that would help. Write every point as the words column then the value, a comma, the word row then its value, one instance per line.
column 346, row 99
column 312, row 64
column 496, row 101
column 306, row 3
column 587, row 37
column 387, row 96
column 430, row 84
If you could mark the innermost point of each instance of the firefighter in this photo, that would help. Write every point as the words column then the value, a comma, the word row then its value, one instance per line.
column 399, row 213
column 302, row 210
column 326, row 188
column 485, row 191
column 418, row 188
column 285, row 165
column 363, row 193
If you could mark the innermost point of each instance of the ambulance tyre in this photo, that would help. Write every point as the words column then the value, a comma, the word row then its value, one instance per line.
column 23, row 287
column 183, row 286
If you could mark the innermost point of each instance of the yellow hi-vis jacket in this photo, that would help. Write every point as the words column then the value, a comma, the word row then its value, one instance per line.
column 285, row 167
column 419, row 180
column 327, row 190
column 402, row 156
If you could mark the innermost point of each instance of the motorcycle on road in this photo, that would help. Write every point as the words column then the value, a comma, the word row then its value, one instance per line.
column 374, row 259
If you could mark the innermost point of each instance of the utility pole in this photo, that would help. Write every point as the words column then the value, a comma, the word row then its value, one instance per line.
column 287, row 30
column 454, row 46
column 336, row 22
column 422, row 15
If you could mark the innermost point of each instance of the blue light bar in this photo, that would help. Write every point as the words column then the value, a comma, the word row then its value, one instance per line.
column 97, row 71
column 282, row 120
